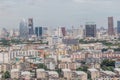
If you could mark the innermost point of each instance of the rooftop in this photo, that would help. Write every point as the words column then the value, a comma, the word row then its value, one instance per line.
column 14, row 70
column 117, row 69
column 40, row 70
column 52, row 72
column 108, row 73
column 25, row 73
column 66, row 70
column 80, row 72
column 92, row 69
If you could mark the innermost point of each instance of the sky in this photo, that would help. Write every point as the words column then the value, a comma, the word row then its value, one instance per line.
column 58, row 13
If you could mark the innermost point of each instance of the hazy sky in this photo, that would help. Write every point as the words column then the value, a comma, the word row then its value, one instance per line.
column 54, row 13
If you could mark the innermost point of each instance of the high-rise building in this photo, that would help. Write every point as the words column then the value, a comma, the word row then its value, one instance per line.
column 110, row 26
column 30, row 26
column 90, row 30
column 78, row 32
column 63, row 31
column 44, row 31
column 23, row 30
column 38, row 31
column 118, row 27
column 5, row 33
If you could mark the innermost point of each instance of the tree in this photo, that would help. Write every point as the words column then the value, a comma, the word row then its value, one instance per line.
column 83, row 62
column 16, row 41
column 5, row 42
column 103, row 50
column 109, row 68
column 83, row 68
column 41, row 65
column 117, row 49
column 89, row 76
column 6, row 75
column 59, row 71
column 108, row 64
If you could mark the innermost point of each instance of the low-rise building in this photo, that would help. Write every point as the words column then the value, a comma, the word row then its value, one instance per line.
column 41, row 74
column 117, row 63
column 93, row 73
column 67, row 65
column 79, row 75
column 26, row 75
column 67, row 74
column 108, row 75
column 15, row 73
column 52, row 75
column 4, row 67
column 117, row 71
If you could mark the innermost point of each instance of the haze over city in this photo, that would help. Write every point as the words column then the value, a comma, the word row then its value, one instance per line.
column 59, row 40
column 54, row 13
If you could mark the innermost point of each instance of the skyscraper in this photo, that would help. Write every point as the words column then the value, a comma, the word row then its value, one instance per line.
column 90, row 30
column 110, row 26
column 5, row 33
column 30, row 26
column 44, row 31
column 38, row 31
column 118, row 27
column 23, row 30
column 63, row 31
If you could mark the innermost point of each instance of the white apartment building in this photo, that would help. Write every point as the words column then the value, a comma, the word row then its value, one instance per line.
column 14, row 54
column 15, row 74
column 41, row 74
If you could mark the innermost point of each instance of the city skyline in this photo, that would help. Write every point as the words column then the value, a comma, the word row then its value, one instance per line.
column 55, row 13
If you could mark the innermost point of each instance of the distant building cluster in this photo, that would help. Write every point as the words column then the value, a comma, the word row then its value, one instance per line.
column 76, row 53
column 28, row 31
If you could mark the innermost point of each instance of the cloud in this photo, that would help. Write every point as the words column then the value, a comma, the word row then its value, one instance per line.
column 91, row 1
column 51, row 12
